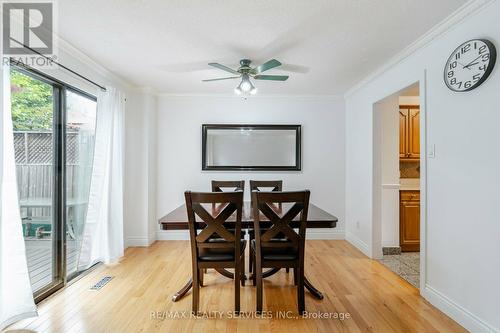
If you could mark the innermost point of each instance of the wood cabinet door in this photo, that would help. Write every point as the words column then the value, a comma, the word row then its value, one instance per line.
column 409, row 221
column 414, row 134
column 403, row 133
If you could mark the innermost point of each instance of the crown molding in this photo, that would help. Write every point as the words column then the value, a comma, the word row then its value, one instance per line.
column 257, row 96
column 468, row 9
column 79, row 55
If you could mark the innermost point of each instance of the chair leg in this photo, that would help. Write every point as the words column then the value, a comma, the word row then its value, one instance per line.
column 202, row 271
column 242, row 275
column 196, row 291
column 287, row 270
column 254, row 275
column 258, row 273
column 295, row 280
column 250, row 261
column 300, row 291
column 237, row 275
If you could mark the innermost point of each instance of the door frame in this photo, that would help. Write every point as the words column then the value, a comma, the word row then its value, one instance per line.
column 376, row 232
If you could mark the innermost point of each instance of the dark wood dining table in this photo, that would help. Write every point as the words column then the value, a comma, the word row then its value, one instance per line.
column 316, row 218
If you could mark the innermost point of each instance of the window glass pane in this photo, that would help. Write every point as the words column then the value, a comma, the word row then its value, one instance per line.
column 80, row 136
column 32, row 106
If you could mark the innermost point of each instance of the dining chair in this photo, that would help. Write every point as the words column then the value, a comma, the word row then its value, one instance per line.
column 288, row 252
column 224, row 251
column 219, row 185
column 257, row 185
column 276, row 185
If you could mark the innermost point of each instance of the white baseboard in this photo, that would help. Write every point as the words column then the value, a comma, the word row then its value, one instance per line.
column 138, row 242
column 455, row 311
column 311, row 234
column 172, row 235
column 325, row 234
column 354, row 240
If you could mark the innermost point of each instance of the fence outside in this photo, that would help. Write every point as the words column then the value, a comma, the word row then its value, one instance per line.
column 34, row 170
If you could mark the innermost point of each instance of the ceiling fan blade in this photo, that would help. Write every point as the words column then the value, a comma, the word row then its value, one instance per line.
column 271, row 77
column 222, row 78
column 266, row 66
column 224, row 68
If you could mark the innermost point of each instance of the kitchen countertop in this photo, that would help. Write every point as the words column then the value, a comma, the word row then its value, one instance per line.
column 409, row 184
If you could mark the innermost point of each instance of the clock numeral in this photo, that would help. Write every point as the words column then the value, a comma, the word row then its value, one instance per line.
column 466, row 48
column 453, row 65
column 482, row 68
column 460, row 84
column 482, row 49
column 457, row 56
column 467, row 84
column 476, row 77
column 451, row 74
column 486, row 57
column 453, row 81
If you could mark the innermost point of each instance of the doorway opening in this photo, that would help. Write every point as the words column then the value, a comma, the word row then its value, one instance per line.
column 397, row 177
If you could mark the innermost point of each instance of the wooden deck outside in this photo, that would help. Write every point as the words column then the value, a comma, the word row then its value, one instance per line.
column 39, row 257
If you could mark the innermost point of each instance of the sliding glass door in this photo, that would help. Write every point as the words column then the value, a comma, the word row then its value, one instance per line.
column 80, row 136
column 54, row 129
column 33, row 118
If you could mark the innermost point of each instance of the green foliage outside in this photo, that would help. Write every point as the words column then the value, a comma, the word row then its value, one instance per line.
column 31, row 102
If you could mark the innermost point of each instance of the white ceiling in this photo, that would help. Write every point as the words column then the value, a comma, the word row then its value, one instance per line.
column 330, row 45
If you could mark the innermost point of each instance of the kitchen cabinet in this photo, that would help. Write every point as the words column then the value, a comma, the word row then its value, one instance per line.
column 409, row 221
column 409, row 132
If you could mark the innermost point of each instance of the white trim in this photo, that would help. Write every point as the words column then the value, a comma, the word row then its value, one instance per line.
column 391, row 186
column 338, row 97
column 325, row 233
column 138, row 242
column 423, row 179
column 458, row 313
column 468, row 9
column 354, row 240
column 172, row 235
column 316, row 234
column 72, row 51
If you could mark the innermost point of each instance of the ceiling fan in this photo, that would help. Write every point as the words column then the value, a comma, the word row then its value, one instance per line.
column 245, row 72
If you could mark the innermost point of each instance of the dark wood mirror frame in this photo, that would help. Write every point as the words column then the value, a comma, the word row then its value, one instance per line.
column 298, row 143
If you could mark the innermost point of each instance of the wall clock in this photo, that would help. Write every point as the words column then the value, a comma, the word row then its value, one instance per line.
column 470, row 65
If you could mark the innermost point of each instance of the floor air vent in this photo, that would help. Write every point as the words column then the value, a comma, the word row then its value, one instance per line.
column 101, row 283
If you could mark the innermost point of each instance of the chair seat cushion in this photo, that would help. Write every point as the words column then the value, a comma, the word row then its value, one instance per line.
column 277, row 253
column 219, row 254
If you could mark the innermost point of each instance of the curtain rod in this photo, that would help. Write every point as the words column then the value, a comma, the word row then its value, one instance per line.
column 60, row 65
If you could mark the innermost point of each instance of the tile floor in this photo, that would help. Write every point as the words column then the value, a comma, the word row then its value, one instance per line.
column 406, row 265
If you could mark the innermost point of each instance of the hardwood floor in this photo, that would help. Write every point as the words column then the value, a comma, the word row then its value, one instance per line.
column 133, row 301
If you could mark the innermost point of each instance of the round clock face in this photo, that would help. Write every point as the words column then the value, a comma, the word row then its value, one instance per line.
column 470, row 65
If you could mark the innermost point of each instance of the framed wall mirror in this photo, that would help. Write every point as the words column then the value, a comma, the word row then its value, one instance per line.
column 251, row 147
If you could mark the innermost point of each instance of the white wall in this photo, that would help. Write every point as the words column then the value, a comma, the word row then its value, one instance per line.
column 140, row 222
column 463, row 214
column 322, row 120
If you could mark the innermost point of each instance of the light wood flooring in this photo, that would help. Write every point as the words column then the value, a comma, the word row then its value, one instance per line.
column 376, row 299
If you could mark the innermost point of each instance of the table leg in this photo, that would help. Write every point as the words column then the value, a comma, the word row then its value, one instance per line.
column 181, row 293
column 225, row 272
column 267, row 273
column 312, row 289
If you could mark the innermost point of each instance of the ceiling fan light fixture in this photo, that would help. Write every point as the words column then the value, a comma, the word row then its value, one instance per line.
column 246, row 73
column 246, row 85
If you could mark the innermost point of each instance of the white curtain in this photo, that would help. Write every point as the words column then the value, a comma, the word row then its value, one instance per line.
column 16, row 296
column 103, row 233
